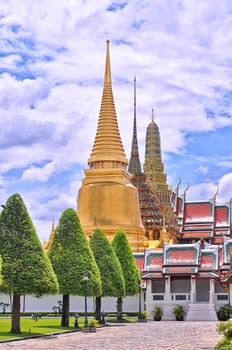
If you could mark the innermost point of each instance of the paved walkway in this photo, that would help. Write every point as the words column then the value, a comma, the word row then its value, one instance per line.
column 164, row 335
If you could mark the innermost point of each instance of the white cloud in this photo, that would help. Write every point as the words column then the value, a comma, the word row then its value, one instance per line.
column 39, row 174
column 203, row 169
column 225, row 188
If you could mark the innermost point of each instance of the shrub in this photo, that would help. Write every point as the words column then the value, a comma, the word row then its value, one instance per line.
column 92, row 322
column 225, row 328
column 223, row 313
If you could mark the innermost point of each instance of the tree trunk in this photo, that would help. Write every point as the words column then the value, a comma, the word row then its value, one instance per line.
column 15, row 316
column 119, row 308
column 65, row 311
column 98, row 309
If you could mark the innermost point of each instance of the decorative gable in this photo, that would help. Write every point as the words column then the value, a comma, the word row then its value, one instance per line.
column 153, row 260
column 227, row 249
column 209, row 259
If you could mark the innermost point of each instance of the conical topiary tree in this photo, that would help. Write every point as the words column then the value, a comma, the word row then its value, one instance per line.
column 71, row 256
column 130, row 271
column 113, row 284
column 25, row 267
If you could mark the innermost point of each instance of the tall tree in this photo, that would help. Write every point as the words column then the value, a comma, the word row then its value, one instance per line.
column 71, row 256
column 130, row 271
column 25, row 268
column 113, row 284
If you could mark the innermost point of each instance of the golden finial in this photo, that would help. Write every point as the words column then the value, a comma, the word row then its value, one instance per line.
column 107, row 79
column 152, row 115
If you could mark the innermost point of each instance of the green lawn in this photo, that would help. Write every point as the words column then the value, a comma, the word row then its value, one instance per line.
column 30, row 327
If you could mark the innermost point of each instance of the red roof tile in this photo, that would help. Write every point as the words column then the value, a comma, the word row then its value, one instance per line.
column 222, row 216
column 198, row 212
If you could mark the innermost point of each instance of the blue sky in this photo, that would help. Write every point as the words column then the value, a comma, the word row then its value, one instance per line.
column 52, row 57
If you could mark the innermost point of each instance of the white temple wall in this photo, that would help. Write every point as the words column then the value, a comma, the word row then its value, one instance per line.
column 44, row 304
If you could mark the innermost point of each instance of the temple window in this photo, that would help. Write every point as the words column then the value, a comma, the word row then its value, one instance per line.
column 158, row 286
column 180, row 285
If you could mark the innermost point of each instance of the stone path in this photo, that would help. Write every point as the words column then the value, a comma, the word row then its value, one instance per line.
column 164, row 335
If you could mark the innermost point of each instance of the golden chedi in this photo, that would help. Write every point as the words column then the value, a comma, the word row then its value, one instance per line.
column 107, row 198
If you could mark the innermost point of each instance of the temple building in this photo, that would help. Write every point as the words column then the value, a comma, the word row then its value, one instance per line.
column 182, row 248
column 195, row 269
column 108, row 199
column 148, row 201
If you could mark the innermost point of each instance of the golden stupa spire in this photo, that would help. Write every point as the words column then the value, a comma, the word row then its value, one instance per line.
column 107, row 150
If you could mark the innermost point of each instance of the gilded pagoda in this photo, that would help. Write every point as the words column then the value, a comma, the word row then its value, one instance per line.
column 107, row 198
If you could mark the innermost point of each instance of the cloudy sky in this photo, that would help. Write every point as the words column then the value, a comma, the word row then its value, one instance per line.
column 52, row 57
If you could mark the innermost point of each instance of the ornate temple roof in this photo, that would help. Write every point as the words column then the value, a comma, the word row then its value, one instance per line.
column 181, row 258
column 198, row 212
column 108, row 145
column 199, row 258
column 203, row 219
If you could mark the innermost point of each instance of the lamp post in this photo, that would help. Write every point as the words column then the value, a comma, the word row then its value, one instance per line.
column 85, row 281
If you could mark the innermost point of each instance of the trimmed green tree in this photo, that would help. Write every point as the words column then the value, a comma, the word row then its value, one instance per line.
column 113, row 284
column 25, row 269
column 71, row 256
column 129, row 268
column 0, row 270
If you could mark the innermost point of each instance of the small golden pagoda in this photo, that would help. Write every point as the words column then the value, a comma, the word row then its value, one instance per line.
column 46, row 244
column 107, row 198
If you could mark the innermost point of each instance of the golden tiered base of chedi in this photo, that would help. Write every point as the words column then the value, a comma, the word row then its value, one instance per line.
column 107, row 200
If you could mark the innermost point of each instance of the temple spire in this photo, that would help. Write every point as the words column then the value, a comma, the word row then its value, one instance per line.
column 134, row 164
column 107, row 150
